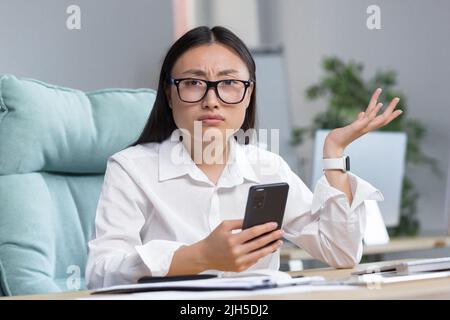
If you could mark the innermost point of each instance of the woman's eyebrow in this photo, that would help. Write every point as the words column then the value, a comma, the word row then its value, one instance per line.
column 227, row 72
column 198, row 72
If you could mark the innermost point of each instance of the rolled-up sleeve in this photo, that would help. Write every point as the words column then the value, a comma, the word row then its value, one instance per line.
column 116, row 253
column 323, row 223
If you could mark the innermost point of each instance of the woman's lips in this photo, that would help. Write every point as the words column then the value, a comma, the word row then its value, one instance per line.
column 211, row 119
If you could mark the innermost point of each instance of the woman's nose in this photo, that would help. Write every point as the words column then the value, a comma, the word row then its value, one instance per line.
column 211, row 100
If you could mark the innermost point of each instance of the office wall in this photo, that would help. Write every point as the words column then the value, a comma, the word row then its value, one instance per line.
column 239, row 16
column 414, row 41
column 120, row 43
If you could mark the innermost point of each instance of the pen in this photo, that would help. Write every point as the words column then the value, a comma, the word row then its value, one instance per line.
column 150, row 279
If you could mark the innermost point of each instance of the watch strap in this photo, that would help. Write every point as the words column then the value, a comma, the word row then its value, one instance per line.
column 342, row 163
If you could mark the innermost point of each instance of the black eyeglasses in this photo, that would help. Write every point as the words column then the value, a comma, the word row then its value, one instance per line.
column 193, row 90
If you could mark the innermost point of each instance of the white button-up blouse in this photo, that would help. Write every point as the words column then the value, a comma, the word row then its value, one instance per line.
column 155, row 199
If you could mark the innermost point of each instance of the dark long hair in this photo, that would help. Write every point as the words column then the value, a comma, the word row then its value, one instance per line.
column 161, row 124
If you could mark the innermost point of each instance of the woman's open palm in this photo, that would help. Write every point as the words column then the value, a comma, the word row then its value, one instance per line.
column 367, row 121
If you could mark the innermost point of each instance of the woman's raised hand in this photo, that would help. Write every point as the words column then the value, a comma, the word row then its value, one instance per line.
column 338, row 139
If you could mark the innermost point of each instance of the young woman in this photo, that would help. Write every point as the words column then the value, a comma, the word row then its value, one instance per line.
column 171, row 205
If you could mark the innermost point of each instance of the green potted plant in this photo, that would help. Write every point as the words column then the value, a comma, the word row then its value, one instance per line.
column 347, row 93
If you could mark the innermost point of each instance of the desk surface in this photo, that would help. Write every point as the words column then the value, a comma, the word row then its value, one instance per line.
column 421, row 289
column 395, row 245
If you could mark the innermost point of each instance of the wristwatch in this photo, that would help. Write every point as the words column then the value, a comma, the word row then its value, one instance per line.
column 342, row 163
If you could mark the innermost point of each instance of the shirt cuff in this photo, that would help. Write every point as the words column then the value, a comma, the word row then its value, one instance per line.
column 157, row 255
column 361, row 190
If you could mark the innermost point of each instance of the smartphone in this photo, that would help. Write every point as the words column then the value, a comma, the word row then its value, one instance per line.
column 266, row 203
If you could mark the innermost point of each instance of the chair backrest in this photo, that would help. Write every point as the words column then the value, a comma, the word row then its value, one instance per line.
column 54, row 145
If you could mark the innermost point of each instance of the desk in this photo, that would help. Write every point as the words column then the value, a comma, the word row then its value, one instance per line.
column 422, row 289
column 395, row 245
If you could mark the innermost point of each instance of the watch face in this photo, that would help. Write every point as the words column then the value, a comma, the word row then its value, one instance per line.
column 347, row 163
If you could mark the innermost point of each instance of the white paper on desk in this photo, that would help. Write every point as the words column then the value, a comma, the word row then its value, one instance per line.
column 276, row 275
column 254, row 280
column 248, row 280
column 209, row 295
column 243, row 283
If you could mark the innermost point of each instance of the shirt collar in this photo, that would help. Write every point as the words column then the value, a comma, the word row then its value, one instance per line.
column 175, row 161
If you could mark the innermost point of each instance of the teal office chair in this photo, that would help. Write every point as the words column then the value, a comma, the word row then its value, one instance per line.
column 54, row 145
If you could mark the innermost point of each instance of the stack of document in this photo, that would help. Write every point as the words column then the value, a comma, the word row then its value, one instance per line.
column 401, row 272
column 251, row 281
column 409, row 267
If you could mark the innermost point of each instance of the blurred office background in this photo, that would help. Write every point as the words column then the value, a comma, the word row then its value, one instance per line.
column 122, row 43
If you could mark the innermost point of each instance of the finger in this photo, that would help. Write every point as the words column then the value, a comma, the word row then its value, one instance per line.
column 385, row 117
column 383, row 120
column 253, row 257
column 391, row 106
column 373, row 100
column 229, row 225
column 361, row 115
column 254, row 232
column 260, row 242
column 374, row 111
column 393, row 115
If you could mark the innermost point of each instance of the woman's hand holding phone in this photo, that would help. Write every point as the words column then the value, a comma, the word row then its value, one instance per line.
column 227, row 251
